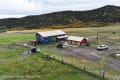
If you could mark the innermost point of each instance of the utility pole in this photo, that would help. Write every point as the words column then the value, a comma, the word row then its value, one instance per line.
column 97, row 35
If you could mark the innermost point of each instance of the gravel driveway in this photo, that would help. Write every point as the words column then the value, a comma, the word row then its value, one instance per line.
column 94, row 55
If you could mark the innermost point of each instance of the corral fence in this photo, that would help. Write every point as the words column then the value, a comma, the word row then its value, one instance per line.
column 88, row 69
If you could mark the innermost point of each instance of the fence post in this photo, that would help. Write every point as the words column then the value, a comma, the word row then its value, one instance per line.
column 103, row 75
column 54, row 57
column 84, row 68
column 62, row 61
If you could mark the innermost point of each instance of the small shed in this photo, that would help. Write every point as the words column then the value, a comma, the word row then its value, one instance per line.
column 47, row 37
column 74, row 40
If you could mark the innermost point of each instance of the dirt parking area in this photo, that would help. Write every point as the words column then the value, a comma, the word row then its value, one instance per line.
column 92, row 54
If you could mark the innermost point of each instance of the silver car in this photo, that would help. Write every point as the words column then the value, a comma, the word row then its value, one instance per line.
column 102, row 47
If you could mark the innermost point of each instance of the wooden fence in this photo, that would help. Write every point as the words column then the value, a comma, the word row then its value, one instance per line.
column 85, row 68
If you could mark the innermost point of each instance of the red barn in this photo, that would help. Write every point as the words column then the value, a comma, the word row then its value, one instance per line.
column 74, row 40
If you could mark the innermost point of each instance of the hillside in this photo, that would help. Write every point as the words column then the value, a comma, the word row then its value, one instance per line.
column 97, row 17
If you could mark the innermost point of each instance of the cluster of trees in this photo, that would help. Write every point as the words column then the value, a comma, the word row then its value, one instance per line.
column 104, row 15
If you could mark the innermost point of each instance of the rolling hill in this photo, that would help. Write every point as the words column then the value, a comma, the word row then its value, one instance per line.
column 92, row 18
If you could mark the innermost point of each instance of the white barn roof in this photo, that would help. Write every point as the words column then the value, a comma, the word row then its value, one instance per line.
column 60, row 37
column 51, row 33
column 75, row 38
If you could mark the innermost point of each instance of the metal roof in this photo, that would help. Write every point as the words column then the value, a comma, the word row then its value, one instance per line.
column 51, row 33
column 75, row 38
column 64, row 36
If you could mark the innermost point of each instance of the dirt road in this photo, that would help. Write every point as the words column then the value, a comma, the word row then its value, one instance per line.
column 93, row 55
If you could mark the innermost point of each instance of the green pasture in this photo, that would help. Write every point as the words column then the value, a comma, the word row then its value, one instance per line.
column 14, row 63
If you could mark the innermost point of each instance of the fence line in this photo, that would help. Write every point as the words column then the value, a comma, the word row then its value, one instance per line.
column 83, row 67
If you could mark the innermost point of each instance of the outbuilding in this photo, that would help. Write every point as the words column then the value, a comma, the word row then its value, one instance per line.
column 79, row 41
column 47, row 37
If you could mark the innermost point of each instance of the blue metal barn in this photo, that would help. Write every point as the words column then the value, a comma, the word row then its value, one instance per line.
column 48, row 36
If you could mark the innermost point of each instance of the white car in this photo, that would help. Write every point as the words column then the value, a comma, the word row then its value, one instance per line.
column 102, row 47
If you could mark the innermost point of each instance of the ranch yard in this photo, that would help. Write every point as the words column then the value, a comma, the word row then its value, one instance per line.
column 18, row 66
column 14, row 65
column 84, row 57
column 106, row 36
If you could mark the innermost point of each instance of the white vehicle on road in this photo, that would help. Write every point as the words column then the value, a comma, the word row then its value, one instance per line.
column 102, row 47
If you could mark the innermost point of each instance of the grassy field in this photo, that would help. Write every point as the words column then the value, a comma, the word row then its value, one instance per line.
column 17, row 66
column 14, row 63
column 8, row 38
column 109, row 35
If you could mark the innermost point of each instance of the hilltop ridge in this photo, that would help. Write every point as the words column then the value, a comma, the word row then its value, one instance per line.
column 98, row 17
